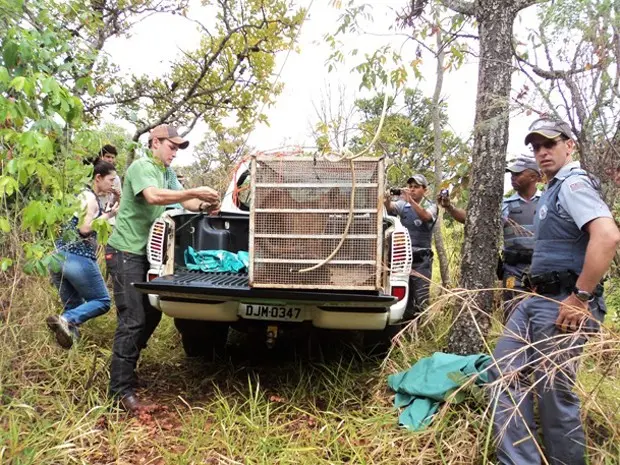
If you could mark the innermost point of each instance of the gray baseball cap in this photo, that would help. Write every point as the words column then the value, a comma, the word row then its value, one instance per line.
column 523, row 163
column 548, row 128
column 418, row 179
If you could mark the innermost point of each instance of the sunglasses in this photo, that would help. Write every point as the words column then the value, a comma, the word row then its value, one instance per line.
column 548, row 144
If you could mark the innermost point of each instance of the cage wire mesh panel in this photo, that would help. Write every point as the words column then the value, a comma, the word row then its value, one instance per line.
column 299, row 213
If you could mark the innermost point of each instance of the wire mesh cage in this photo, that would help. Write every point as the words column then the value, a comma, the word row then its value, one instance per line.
column 300, row 211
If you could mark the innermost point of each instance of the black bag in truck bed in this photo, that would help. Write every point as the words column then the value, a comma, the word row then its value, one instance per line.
column 237, row 286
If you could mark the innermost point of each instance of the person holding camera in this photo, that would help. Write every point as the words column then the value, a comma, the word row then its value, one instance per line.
column 418, row 215
column 518, row 217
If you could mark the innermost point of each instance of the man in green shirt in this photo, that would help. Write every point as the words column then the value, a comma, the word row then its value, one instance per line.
column 146, row 192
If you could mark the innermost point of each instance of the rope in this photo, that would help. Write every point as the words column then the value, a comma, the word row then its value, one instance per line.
column 345, row 233
column 347, row 155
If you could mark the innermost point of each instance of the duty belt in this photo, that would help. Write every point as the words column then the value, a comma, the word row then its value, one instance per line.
column 514, row 257
column 554, row 283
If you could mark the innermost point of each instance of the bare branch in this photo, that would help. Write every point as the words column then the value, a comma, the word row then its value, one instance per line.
column 555, row 74
column 194, row 88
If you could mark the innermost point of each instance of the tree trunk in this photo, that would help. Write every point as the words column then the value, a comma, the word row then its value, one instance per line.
column 482, row 227
column 444, row 268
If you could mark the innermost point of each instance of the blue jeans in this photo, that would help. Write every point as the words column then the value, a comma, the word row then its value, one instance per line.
column 81, row 288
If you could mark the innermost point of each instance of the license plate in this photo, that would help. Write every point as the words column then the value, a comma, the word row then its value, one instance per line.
column 271, row 312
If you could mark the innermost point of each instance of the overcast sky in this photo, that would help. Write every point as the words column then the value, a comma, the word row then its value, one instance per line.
column 158, row 39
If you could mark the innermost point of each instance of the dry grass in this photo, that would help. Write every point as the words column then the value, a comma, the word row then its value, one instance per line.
column 260, row 408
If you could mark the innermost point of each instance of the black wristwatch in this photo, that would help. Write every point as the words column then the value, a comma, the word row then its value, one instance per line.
column 584, row 296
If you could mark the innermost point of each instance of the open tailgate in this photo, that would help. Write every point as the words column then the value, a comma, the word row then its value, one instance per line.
column 234, row 286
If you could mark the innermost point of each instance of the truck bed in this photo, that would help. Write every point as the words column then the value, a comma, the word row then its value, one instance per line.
column 235, row 286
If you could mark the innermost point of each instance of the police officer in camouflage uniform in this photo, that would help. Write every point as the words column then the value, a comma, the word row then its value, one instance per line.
column 418, row 215
column 575, row 242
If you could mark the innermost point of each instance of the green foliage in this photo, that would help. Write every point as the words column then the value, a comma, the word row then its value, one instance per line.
column 230, row 76
column 407, row 139
column 42, row 140
column 55, row 84
column 217, row 156
column 386, row 65
column 407, row 135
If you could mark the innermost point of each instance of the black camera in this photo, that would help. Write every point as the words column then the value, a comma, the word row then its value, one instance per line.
column 395, row 191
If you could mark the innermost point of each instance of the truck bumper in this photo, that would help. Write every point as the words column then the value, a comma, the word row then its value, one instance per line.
column 332, row 318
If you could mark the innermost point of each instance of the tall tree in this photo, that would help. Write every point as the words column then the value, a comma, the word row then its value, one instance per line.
column 438, row 155
column 228, row 76
column 407, row 137
column 495, row 19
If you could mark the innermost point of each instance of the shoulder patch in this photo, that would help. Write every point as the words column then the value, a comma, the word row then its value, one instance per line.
column 542, row 213
column 577, row 185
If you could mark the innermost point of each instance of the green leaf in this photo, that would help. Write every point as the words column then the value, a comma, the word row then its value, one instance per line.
column 5, row 264
column 8, row 185
column 5, row 226
column 29, row 140
column 33, row 216
column 4, row 75
column 12, row 166
column 9, row 53
column 18, row 83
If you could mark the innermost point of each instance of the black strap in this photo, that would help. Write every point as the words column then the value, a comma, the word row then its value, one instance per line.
column 514, row 257
column 555, row 282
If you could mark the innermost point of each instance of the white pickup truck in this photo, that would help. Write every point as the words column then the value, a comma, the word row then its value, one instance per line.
column 205, row 305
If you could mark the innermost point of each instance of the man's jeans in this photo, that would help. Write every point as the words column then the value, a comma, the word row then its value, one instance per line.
column 137, row 318
column 81, row 288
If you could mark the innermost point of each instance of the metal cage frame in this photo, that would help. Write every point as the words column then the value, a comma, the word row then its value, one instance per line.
column 352, row 273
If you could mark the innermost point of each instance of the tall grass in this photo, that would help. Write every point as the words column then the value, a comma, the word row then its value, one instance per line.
column 258, row 408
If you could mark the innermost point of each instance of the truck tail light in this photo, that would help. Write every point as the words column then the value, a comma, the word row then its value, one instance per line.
column 401, row 252
column 156, row 247
column 399, row 292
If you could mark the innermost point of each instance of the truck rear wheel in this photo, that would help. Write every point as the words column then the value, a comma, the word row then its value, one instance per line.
column 377, row 344
column 201, row 338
